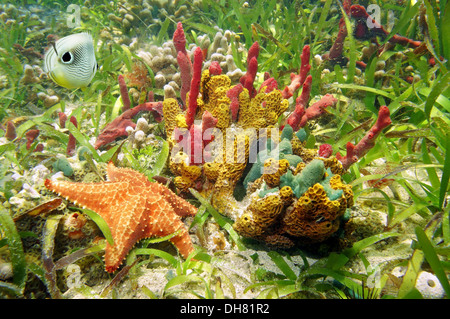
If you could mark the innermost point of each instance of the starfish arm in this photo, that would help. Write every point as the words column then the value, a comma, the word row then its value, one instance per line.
column 135, row 178
column 181, row 207
column 183, row 243
column 164, row 214
column 99, row 197
column 128, row 225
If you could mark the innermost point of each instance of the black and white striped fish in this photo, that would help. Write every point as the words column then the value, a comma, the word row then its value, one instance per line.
column 71, row 61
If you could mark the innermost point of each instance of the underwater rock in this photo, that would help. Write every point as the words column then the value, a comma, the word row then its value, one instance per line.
column 6, row 271
column 27, row 189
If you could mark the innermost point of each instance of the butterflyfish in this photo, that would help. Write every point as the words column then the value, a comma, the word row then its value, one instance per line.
column 71, row 62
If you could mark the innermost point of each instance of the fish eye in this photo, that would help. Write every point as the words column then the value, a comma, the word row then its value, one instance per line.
column 67, row 57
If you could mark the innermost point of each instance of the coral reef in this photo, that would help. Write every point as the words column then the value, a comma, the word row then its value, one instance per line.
column 48, row 100
column 220, row 106
column 303, row 196
column 141, row 136
column 29, row 76
column 302, row 203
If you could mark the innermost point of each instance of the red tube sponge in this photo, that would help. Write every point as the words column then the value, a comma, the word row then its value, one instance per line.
column 185, row 65
column 117, row 128
column 195, row 86
column 300, row 105
column 318, row 108
column 215, row 69
column 298, row 79
column 124, row 93
column 252, row 67
column 184, row 62
column 325, row 150
column 179, row 40
column 355, row 152
column 233, row 95
column 71, row 145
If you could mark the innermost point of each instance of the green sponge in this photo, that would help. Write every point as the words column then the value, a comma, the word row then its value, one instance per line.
column 62, row 165
column 312, row 173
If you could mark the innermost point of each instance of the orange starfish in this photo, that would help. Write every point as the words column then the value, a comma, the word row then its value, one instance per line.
column 133, row 207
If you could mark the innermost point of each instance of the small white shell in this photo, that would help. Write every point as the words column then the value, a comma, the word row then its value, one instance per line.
column 429, row 286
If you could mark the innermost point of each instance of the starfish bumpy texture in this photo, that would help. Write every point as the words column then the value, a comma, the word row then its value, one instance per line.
column 133, row 207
